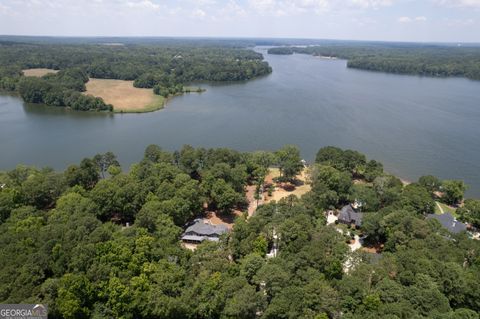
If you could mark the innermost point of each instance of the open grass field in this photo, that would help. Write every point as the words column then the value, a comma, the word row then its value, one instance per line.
column 124, row 96
column 38, row 72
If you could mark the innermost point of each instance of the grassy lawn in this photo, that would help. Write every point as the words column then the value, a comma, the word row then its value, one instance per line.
column 446, row 209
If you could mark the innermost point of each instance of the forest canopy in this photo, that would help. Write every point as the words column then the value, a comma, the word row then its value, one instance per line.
column 65, row 241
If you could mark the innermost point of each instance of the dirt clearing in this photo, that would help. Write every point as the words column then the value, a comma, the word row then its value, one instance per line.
column 282, row 190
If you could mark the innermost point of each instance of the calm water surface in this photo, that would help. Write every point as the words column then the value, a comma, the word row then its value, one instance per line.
column 414, row 125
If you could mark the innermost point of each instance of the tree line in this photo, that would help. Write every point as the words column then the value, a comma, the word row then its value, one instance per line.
column 66, row 244
column 426, row 60
column 164, row 68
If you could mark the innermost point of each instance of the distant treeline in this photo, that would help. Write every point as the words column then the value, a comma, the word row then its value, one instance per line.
column 164, row 68
column 432, row 60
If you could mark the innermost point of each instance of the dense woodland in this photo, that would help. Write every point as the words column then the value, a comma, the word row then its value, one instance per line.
column 165, row 68
column 63, row 240
column 432, row 60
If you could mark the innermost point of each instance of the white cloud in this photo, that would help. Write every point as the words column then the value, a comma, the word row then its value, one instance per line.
column 232, row 8
column 372, row 3
column 459, row 3
column 404, row 20
column 143, row 4
column 414, row 19
column 262, row 5
column 459, row 22
column 291, row 7
column 199, row 13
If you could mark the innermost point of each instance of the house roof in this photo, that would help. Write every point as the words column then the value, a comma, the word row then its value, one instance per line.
column 193, row 237
column 349, row 215
column 449, row 222
column 200, row 228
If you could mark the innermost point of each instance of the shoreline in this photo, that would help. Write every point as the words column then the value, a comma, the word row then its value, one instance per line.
column 158, row 106
column 155, row 106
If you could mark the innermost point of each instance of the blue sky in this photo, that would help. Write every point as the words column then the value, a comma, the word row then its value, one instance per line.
column 395, row 20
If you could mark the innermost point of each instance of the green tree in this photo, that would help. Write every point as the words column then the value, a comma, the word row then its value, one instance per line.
column 289, row 161
column 223, row 196
column 431, row 183
column 373, row 170
column 346, row 161
column 250, row 265
column 155, row 154
column 85, row 175
column 453, row 191
column 104, row 161
column 8, row 201
column 470, row 212
column 244, row 303
column 42, row 189
column 366, row 195
column 417, row 197
column 75, row 296
column 326, row 178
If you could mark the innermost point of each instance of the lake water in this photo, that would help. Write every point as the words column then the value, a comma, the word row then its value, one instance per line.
column 414, row 125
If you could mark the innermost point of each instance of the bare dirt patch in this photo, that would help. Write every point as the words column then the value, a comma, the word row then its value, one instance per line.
column 223, row 219
column 282, row 190
column 38, row 72
column 124, row 96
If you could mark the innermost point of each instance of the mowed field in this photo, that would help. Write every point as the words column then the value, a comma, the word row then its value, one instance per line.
column 38, row 72
column 124, row 96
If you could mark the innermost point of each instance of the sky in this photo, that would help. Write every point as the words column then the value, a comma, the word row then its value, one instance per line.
column 387, row 20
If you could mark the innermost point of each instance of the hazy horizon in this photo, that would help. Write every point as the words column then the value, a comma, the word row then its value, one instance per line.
column 200, row 37
column 440, row 21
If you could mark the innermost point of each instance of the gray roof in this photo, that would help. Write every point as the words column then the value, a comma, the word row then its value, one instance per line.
column 200, row 228
column 193, row 238
column 350, row 215
column 449, row 222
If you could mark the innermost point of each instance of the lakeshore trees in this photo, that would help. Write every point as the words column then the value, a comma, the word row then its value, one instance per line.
column 62, row 244
column 453, row 191
column 289, row 162
column 427, row 60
